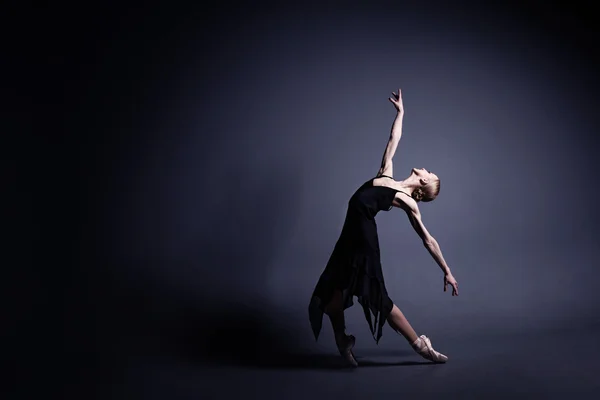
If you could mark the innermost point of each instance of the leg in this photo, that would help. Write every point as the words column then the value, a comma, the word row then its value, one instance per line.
column 335, row 312
column 422, row 344
column 345, row 343
column 400, row 324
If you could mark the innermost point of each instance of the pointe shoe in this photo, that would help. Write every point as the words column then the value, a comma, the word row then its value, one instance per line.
column 345, row 349
column 424, row 348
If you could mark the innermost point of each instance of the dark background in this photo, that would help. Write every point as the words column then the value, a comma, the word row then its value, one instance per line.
column 192, row 167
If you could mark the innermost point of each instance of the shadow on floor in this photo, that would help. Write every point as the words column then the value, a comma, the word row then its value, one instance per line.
column 319, row 361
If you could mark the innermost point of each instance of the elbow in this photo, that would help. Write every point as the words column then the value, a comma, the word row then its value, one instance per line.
column 429, row 242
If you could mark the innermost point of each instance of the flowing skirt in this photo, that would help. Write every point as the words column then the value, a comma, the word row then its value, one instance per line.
column 354, row 268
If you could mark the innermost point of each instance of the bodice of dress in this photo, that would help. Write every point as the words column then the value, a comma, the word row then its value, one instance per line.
column 369, row 199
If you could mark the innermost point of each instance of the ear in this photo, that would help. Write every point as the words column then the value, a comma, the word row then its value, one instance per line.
column 424, row 181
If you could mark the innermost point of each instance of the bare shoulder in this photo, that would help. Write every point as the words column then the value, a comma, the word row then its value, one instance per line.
column 407, row 203
column 382, row 173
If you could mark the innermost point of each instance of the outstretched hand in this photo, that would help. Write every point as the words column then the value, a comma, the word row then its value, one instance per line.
column 449, row 280
column 396, row 99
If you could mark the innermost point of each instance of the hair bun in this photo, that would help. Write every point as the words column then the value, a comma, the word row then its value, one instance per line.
column 418, row 194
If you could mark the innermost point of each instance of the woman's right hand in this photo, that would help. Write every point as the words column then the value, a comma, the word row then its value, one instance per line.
column 397, row 101
column 449, row 280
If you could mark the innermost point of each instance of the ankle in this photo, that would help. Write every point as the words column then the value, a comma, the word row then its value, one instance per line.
column 417, row 344
column 340, row 336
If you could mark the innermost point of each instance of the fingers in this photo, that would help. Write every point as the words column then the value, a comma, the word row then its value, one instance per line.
column 397, row 96
column 454, row 286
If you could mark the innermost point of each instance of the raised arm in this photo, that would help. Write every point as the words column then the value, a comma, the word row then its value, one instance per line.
column 387, row 167
column 433, row 247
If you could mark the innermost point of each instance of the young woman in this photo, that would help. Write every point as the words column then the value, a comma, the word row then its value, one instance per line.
column 354, row 268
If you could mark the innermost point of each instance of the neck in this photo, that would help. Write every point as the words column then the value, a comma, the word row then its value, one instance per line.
column 409, row 185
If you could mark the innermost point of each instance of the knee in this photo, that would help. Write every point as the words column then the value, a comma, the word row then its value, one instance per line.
column 335, row 305
column 333, row 308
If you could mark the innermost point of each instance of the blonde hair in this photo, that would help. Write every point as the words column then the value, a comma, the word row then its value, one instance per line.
column 427, row 192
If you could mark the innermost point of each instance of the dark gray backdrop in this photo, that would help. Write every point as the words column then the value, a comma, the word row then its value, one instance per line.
column 240, row 183
column 218, row 149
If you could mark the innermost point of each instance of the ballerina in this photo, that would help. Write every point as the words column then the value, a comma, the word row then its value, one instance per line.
column 354, row 267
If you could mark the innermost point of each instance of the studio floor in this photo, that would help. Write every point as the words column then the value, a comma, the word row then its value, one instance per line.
column 553, row 365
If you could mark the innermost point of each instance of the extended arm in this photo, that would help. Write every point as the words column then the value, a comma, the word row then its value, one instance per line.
column 429, row 241
column 387, row 167
column 414, row 215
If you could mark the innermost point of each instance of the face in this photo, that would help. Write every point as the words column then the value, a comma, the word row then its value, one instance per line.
column 422, row 173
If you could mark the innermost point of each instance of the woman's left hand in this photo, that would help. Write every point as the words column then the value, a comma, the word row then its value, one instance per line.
column 449, row 280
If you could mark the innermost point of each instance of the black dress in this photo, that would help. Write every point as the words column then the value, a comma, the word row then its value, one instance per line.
column 354, row 267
